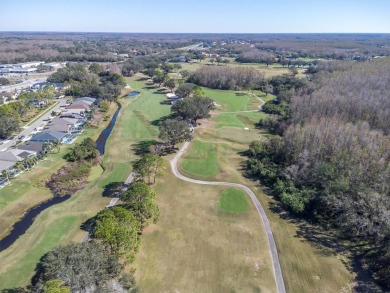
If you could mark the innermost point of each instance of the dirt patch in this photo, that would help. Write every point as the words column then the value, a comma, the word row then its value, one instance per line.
column 203, row 123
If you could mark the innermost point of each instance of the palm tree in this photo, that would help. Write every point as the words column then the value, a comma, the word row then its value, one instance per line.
column 46, row 148
column 5, row 174
column 57, row 145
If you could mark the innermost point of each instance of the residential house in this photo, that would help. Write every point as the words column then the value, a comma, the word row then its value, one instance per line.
column 51, row 136
column 67, row 125
column 178, row 59
column 72, row 115
column 35, row 146
column 9, row 159
column 87, row 100
column 16, row 155
column 6, row 166
column 78, row 107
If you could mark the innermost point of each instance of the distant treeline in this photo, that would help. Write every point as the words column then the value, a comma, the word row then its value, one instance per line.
column 100, row 47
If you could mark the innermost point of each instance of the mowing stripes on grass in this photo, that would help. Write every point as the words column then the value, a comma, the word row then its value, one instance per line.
column 233, row 201
column 146, row 122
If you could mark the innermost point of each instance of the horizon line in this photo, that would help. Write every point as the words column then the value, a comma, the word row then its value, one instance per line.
column 206, row 33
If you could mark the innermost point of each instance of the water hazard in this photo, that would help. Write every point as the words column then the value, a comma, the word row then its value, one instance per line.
column 133, row 94
column 102, row 139
column 21, row 227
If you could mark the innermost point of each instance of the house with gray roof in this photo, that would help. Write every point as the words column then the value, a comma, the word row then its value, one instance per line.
column 10, row 158
column 50, row 136
column 87, row 100
column 16, row 155
column 72, row 115
column 35, row 146
column 6, row 166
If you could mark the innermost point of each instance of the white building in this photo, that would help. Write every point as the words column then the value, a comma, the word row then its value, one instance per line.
column 22, row 70
column 30, row 64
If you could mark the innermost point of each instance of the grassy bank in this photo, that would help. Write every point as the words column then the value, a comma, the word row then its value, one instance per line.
column 45, row 233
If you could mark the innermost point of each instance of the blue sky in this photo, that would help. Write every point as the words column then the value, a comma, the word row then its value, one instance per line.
column 205, row 16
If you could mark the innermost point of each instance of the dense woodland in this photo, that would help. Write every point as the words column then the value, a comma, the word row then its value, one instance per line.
column 331, row 162
column 226, row 78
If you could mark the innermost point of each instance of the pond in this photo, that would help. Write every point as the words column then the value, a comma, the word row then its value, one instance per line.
column 133, row 94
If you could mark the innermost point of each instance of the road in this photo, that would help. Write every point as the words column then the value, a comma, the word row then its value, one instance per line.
column 28, row 130
column 23, row 85
column 191, row 47
column 271, row 241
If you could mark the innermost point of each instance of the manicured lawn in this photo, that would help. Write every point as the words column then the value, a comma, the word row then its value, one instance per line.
column 85, row 203
column 239, row 120
column 231, row 101
column 196, row 248
column 201, row 160
column 96, row 172
column 233, row 201
column 16, row 271
column 307, row 265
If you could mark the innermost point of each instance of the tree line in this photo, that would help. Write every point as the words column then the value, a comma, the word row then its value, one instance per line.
column 330, row 161
column 226, row 77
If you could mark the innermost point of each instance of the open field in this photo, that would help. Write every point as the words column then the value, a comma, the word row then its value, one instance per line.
column 197, row 248
column 307, row 266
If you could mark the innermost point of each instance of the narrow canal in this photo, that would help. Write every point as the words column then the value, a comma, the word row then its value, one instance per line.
column 20, row 227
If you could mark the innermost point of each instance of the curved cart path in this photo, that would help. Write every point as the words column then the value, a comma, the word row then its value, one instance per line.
column 273, row 251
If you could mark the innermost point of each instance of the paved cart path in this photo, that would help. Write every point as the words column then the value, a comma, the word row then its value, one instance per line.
column 271, row 241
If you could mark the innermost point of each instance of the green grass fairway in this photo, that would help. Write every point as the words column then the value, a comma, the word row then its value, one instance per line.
column 307, row 267
column 96, row 172
column 232, row 101
column 202, row 160
column 233, row 201
column 196, row 248
column 25, row 252
column 16, row 271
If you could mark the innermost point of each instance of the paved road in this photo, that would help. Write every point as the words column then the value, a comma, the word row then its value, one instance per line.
column 112, row 203
column 273, row 251
column 28, row 130
column 23, row 85
column 191, row 47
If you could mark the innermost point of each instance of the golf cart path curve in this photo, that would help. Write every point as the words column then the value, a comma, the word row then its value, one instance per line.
column 271, row 241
